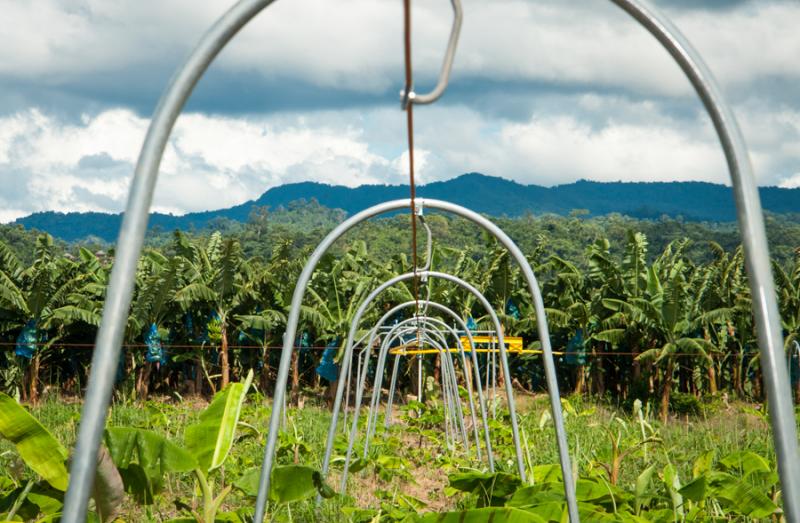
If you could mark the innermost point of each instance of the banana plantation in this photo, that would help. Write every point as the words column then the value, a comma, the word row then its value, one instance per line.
column 626, row 323
column 649, row 343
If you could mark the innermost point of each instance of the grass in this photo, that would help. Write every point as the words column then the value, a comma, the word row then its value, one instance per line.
column 420, row 476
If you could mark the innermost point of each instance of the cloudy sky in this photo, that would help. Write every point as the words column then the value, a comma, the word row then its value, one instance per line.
column 543, row 91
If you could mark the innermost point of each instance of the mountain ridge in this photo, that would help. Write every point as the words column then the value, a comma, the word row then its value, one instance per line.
column 694, row 201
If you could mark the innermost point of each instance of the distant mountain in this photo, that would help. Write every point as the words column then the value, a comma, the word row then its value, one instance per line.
column 695, row 201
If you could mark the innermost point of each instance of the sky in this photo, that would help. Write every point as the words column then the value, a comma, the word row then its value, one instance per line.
column 542, row 92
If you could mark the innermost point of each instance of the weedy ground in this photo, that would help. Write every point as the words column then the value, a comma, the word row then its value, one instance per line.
column 408, row 464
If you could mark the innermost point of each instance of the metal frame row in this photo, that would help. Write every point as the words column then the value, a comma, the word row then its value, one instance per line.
column 129, row 245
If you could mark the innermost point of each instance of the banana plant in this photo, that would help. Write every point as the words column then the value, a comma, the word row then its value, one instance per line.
column 30, row 295
column 220, row 278
column 45, row 455
column 144, row 457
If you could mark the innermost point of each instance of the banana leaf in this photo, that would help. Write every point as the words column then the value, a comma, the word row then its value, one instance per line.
column 36, row 446
column 482, row 515
column 144, row 458
column 210, row 440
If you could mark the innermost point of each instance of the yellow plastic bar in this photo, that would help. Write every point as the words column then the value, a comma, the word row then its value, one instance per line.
column 513, row 343
column 403, row 351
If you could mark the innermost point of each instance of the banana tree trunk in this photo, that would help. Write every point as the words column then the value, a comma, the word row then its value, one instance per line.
column 143, row 381
column 33, row 378
column 598, row 374
column 223, row 357
column 738, row 380
column 667, row 388
column 580, row 379
column 712, row 378
column 637, row 365
column 797, row 392
column 198, row 373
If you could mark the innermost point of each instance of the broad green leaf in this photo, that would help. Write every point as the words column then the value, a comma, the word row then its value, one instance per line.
column 673, row 484
column 144, row 458
column 210, row 440
column 537, row 495
column 409, row 501
column 248, row 482
column 741, row 496
column 590, row 490
column 547, row 474
column 482, row 515
column 746, row 461
column 358, row 464
column 642, row 482
column 48, row 501
column 703, row 463
column 296, row 482
column 550, row 511
column 696, row 490
column 490, row 488
column 35, row 445
column 288, row 483
column 595, row 514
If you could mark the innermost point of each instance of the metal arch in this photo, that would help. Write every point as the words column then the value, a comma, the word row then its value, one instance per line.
column 436, row 327
column 424, row 332
column 544, row 336
column 389, row 313
column 109, row 338
column 427, row 331
column 375, row 400
column 347, row 362
column 382, row 356
column 477, row 375
column 105, row 356
column 457, row 319
column 754, row 240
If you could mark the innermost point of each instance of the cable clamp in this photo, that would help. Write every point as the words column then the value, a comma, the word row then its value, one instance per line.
column 406, row 99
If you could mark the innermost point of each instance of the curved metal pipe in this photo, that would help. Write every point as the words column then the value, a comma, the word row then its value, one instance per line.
column 754, row 240
column 445, row 353
column 347, row 357
column 447, row 65
column 433, row 323
column 105, row 356
column 109, row 338
column 424, row 331
column 294, row 316
column 477, row 376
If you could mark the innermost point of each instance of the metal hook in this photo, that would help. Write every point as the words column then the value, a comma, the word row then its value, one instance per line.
column 407, row 95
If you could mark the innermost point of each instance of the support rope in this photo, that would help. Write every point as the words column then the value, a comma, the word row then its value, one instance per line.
column 409, row 108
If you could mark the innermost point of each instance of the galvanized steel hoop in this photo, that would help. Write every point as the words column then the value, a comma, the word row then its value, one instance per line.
column 109, row 338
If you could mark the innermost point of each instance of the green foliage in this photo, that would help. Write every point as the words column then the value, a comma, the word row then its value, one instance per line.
column 288, row 483
column 211, row 439
column 481, row 515
column 491, row 489
column 144, row 458
column 682, row 403
column 35, row 445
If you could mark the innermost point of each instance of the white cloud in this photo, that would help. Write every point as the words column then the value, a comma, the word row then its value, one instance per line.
column 356, row 44
column 215, row 162
column 211, row 162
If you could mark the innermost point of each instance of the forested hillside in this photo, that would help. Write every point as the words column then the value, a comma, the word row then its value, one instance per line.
column 690, row 201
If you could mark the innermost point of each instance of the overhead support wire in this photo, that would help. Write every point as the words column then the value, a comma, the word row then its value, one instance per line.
column 408, row 99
